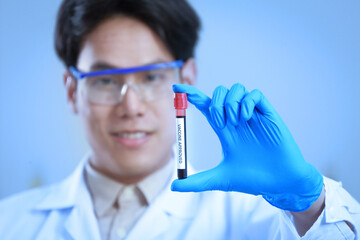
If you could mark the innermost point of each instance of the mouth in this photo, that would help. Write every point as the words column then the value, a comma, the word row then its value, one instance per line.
column 131, row 139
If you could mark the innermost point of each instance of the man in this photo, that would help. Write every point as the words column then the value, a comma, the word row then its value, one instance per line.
column 122, row 58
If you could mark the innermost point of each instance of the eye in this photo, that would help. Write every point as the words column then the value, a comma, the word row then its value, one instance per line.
column 154, row 76
column 104, row 81
column 151, row 77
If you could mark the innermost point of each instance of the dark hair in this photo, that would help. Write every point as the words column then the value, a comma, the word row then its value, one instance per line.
column 174, row 21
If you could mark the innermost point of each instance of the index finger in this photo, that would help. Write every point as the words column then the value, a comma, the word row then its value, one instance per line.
column 199, row 99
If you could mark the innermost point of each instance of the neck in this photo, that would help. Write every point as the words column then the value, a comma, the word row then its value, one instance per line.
column 125, row 177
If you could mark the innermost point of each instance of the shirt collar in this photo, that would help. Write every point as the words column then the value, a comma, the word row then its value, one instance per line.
column 152, row 185
column 106, row 191
column 74, row 191
column 103, row 189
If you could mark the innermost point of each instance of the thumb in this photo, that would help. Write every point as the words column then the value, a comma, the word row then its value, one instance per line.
column 195, row 97
column 204, row 181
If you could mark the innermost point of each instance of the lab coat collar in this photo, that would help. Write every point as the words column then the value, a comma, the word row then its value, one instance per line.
column 72, row 195
column 72, row 201
column 179, row 204
column 68, row 192
column 173, row 203
column 167, row 205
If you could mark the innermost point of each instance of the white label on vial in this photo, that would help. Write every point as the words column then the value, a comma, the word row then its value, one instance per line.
column 180, row 143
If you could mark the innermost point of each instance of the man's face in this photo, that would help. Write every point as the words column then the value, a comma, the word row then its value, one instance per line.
column 134, row 138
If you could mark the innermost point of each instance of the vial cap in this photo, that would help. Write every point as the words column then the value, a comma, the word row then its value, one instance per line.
column 180, row 101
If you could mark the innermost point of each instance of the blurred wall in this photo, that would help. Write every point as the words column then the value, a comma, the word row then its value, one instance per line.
column 303, row 55
column 40, row 140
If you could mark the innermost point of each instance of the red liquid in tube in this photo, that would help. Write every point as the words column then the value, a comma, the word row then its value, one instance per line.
column 180, row 104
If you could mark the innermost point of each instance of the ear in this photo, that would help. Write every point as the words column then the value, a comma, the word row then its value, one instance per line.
column 189, row 72
column 70, row 85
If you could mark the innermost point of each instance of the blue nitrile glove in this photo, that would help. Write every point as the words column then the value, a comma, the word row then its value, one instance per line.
column 260, row 155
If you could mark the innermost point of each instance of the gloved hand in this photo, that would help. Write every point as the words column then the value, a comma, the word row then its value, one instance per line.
column 260, row 155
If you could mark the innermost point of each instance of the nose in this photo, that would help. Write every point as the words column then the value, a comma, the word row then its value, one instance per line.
column 131, row 104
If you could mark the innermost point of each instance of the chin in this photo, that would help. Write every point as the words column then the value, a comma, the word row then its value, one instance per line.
column 137, row 163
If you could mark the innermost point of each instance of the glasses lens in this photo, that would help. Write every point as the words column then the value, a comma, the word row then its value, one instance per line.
column 151, row 85
column 156, row 84
column 103, row 89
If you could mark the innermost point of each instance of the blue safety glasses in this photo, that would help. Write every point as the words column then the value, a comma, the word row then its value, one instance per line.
column 109, row 86
column 80, row 75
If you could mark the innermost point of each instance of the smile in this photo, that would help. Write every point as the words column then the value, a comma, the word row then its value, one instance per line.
column 132, row 139
column 132, row 135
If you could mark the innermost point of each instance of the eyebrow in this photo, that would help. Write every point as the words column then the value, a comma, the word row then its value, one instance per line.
column 103, row 65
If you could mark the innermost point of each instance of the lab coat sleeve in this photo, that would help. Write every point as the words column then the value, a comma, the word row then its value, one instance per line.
column 340, row 209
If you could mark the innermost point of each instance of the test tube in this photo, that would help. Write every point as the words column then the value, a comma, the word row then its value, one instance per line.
column 180, row 104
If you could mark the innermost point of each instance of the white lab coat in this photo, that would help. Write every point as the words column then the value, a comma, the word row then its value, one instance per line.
column 65, row 211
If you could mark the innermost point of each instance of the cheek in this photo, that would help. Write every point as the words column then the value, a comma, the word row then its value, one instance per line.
column 94, row 119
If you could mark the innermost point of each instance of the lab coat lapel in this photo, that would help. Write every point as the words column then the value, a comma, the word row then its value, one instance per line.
column 153, row 223
column 70, row 207
column 157, row 219
column 81, row 222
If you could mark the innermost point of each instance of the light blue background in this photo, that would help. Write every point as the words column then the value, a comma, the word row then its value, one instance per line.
column 303, row 55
